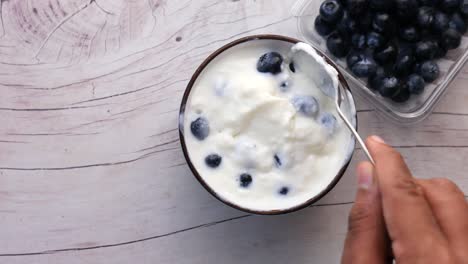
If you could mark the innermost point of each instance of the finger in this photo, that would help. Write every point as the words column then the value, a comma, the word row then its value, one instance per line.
column 366, row 240
column 451, row 212
column 408, row 216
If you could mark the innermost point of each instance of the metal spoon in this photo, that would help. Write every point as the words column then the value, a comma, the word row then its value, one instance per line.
column 338, row 100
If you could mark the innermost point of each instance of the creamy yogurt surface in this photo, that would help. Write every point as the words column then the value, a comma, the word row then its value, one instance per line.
column 266, row 140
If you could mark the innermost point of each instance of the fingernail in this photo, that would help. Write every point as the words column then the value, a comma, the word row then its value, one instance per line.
column 365, row 177
column 378, row 139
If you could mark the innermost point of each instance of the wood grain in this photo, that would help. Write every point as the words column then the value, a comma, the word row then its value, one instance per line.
column 91, row 170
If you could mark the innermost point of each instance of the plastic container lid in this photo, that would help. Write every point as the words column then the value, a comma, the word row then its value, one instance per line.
column 419, row 106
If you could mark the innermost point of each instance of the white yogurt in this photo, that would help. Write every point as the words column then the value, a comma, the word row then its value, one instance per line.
column 267, row 126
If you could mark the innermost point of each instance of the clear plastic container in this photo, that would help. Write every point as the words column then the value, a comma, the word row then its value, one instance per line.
column 418, row 107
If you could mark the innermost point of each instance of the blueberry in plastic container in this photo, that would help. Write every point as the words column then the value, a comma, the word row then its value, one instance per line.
column 364, row 68
column 425, row 17
column 406, row 9
column 375, row 40
column 322, row 27
column 402, row 95
column 375, row 80
column 331, row 11
column 425, row 50
column 386, row 54
column 337, row 45
column 458, row 23
column 429, row 71
column 354, row 56
column 358, row 41
column 415, row 84
column 383, row 23
column 357, row 7
column 347, row 25
column 450, row 6
column 381, row 5
column 429, row 2
column 389, row 87
column 403, row 65
column 464, row 10
column 364, row 22
column 270, row 63
column 200, row 128
column 440, row 22
column 409, row 33
column 451, row 39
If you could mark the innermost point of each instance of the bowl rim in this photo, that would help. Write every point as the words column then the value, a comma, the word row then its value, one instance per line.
column 183, row 104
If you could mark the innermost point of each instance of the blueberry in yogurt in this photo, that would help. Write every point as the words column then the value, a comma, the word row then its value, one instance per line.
column 270, row 63
column 328, row 121
column 213, row 160
column 283, row 191
column 200, row 128
column 306, row 105
column 245, row 180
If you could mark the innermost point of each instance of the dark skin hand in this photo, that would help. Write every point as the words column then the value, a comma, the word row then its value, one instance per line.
column 398, row 216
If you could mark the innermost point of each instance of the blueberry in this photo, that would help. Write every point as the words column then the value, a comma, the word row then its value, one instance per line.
column 439, row 51
column 406, row 9
column 429, row 71
column 440, row 22
column 409, row 33
column 429, row 2
column 381, row 5
column 322, row 27
column 337, row 45
column 389, row 86
column 458, row 23
column 328, row 121
column 270, row 63
column 386, row 54
column 357, row 7
column 402, row 95
column 331, row 11
column 425, row 17
column 213, row 160
column 415, row 84
column 358, row 41
column 364, row 22
column 375, row 40
column 383, row 23
column 451, row 39
column 353, row 57
column 278, row 161
column 364, row 68
column 245, row 180
column 292, row 67
column 200, row 128
column 450, row 6
column 306, row 105
column 403, row 65
column 464, row 10
column 375, row 80
column 283, row 191
column 347, row 25
column 425, row 50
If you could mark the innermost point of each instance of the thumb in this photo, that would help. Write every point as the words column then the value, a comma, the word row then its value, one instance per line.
column 366, row 240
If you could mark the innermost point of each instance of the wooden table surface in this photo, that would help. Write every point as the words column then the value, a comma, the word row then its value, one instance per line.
column 91, row 170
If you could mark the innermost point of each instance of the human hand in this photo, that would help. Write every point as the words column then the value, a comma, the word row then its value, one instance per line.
column 415, row 221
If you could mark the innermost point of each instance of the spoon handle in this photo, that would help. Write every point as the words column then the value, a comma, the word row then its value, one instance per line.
column 355, row 133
